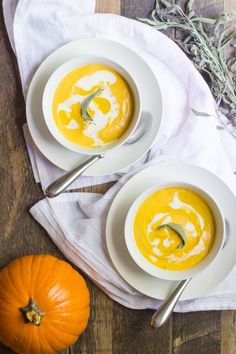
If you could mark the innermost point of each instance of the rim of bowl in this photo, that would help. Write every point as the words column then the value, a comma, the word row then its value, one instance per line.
column 57, row 76
column 153, row 270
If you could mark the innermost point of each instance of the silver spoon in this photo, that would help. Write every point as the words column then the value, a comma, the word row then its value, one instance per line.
column 62, row 183
column 162, row 315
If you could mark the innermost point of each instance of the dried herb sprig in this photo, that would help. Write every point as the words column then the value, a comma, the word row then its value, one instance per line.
column 205, row 41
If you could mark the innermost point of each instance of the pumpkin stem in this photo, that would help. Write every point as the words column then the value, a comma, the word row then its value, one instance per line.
column 32, row 313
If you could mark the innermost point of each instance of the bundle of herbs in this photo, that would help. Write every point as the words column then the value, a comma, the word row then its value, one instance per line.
column 205, row 40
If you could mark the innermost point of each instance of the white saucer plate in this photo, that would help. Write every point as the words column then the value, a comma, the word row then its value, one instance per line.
column 168, row 173
column 117, row 159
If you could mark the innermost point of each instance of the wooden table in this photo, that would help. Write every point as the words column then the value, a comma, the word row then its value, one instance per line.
column 112, row 328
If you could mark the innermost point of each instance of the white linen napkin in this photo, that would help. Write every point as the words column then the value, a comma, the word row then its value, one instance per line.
column 70, row 219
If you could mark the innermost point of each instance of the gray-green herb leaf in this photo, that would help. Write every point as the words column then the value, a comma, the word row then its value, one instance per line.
column 200, row 114
column 85, row 105
column 178, row 229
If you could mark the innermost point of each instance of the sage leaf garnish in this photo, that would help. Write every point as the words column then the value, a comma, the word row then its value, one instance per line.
column 204, row 40
column 200, row 114
column 85, row 105
column 178, row 229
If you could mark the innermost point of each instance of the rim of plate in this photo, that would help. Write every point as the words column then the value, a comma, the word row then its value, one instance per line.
column 169, row 172
column 121, row 157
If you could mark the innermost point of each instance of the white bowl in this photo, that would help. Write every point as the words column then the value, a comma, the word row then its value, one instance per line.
column 52, row 85
column 175, row 274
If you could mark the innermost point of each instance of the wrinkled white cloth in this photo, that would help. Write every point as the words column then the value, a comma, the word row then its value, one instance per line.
column 36, row 28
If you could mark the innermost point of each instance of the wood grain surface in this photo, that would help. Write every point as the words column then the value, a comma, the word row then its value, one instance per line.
column 112, row 329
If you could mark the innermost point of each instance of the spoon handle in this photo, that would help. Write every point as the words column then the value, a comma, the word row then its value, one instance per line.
column 162, row 315
column 60, row 184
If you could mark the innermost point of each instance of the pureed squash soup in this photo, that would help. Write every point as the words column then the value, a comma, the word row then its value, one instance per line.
column 109, row 106
column 174, row 228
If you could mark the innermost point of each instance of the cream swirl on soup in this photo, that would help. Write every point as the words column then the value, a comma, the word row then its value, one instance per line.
column 160, row 245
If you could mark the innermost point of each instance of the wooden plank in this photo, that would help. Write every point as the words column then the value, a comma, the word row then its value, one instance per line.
column 108, row 6
column 210, row 8
column 196, row 333
column 228, row 332
column 137, row 8
column 98, row 336
column 132, row 333
column 100, row 188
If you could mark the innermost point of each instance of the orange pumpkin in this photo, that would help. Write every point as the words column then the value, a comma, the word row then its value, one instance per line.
column 44, row 305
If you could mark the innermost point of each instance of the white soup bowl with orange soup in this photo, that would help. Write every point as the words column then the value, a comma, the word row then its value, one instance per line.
column 173, row 231
column 91, row 105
